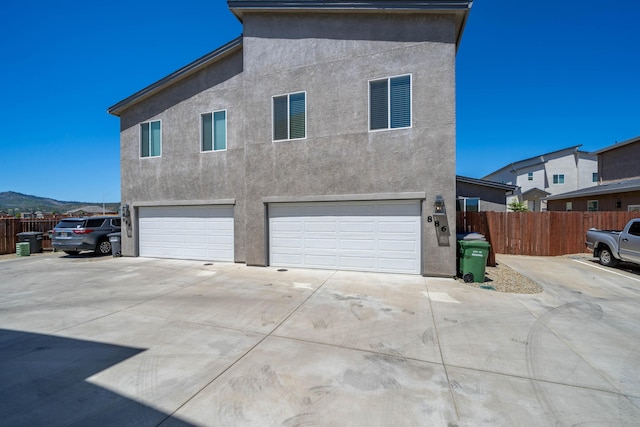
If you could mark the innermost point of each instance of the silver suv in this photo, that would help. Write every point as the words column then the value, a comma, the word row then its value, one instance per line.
column 73, row 235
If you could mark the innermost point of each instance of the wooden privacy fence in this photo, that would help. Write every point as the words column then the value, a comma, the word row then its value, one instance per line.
column 539, row 233
column 10, row 227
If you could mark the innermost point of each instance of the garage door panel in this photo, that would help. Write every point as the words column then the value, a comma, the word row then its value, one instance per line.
column 187, row 232
column 357, row 244
column 357, row 226
column 347, row 235
column 316, row 243
column 407, row 246
column 397, row 265
column 397, row 227
column 319, row 260
column 357, row 263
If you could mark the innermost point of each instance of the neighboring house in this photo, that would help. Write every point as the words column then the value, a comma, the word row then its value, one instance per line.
column 619, row 188
column 323, row 137
column 89, row 211
column 548, row 174
column 478, row 195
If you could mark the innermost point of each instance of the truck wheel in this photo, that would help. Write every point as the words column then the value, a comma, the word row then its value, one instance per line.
column 607, row 258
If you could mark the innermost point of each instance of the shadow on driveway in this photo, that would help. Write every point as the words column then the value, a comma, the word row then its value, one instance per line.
column 43, row 382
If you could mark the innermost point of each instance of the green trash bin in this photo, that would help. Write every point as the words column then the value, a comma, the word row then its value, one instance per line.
column 473, row 260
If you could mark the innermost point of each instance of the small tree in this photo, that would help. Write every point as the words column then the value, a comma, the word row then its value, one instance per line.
column 518, row 206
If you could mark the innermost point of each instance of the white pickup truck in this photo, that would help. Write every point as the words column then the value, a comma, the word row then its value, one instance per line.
column 611, row 247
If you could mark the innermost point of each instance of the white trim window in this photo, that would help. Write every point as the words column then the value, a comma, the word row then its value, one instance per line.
column 558, row 179
column 530, row 176
column 151, row 139
column 213, row 131
column 390, row 103
column 289, row 114
column 468, row 204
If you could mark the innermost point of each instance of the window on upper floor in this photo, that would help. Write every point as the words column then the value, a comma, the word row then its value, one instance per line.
column 594, row 177
column 558, row 179
column 390, row 103
column 592, row 205
column 530, row 176
column 213, row 131
column 150, row 139
column 290, row 116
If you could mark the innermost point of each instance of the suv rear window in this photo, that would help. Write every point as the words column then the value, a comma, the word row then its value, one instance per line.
column 65, row 223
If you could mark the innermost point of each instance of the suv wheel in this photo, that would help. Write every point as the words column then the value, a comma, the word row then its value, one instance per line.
column 103, row 248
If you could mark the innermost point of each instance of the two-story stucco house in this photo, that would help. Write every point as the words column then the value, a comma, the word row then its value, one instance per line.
column 619, row 182
column 552, row 173
column 323, row 137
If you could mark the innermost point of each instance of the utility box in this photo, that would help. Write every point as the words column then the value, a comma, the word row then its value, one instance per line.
column 473, row 259
column 34, row 238
column 23, row 249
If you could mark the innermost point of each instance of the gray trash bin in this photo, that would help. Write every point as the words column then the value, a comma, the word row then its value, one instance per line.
column 114, row 239
column 34, row 238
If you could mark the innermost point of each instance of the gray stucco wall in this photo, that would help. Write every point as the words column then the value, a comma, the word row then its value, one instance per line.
column 491, row 199
column 332, row 57
column 182, row 174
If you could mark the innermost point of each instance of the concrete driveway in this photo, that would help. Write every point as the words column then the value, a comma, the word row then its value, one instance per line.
column 144, row 342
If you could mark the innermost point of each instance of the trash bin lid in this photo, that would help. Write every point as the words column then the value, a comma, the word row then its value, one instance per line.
column 474, row 244
column 30, row 233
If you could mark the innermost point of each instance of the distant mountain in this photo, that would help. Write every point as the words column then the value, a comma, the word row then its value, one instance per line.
column 26, row 203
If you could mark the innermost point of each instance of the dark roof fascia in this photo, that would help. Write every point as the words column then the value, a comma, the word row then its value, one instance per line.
column 176, row 76
column 485, row 183
column 238, row 7
column 596, row 190
column 617, row 145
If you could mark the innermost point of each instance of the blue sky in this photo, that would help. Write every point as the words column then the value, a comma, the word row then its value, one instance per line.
column 532, row 77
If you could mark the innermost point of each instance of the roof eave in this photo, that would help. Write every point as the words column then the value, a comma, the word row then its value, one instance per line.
column 459, row 7
column 176, row 76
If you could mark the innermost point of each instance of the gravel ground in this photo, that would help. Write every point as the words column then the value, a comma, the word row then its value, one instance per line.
column 502, row 278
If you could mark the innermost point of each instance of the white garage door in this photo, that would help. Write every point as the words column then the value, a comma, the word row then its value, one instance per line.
column 187, row 232
column 364, row 236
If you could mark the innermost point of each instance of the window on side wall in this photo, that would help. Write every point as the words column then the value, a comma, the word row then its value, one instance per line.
column 569, row 206
column 558, row 179
column 592, row 206
column 530, row 176
column 213, row 131
column 150, row 139
column 290, row 116
column 468, row 204
column 594, row 177
column 390, row 103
